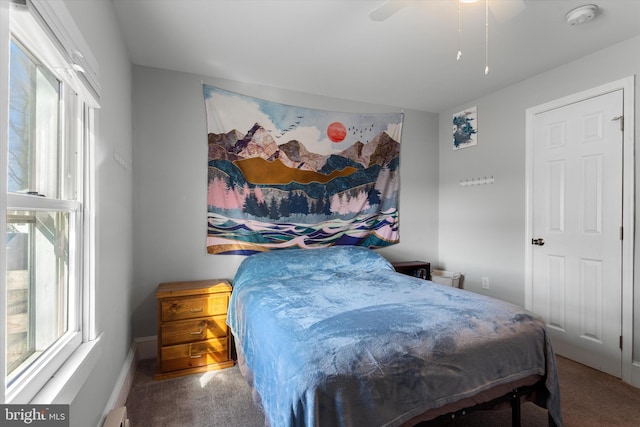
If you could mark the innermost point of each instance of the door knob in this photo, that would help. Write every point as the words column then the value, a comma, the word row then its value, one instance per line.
column 539, row 242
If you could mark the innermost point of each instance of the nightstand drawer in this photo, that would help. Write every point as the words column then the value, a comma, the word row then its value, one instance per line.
column 190, row 308
column 186, row 331
column 177, row 357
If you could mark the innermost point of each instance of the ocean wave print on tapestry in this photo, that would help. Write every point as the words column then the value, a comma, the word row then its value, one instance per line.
column 282, row 176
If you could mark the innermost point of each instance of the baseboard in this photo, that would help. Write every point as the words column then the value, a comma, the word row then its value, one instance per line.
column 141, row 348
column 635, row 374
column 147, row 347
column 123, row 383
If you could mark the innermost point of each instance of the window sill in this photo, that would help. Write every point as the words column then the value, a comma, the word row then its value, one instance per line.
column 65, row 384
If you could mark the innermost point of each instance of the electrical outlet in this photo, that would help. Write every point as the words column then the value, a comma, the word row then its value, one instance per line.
column 485, row 283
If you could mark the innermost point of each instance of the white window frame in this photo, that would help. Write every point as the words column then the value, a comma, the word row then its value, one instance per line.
column 47, row 30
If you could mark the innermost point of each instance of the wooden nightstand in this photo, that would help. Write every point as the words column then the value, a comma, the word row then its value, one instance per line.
column 192, row 332
column 419, row 269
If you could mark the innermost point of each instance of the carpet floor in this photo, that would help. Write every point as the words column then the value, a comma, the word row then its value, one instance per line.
column 223, row 399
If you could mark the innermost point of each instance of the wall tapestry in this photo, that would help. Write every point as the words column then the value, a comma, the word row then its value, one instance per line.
column 282, row 176
column 465, row 128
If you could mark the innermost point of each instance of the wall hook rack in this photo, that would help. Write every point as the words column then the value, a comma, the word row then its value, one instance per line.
column 476, row 181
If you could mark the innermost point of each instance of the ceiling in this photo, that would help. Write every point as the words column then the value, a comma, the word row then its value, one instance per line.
column 333, row 48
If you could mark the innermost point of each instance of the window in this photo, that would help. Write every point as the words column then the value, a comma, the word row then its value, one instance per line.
column 48, row 175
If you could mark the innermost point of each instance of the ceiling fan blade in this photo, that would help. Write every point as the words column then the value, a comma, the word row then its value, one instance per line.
column 386, row 10
column 503, row 10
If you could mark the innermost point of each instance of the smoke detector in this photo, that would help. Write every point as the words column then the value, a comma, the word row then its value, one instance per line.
column 581, row 14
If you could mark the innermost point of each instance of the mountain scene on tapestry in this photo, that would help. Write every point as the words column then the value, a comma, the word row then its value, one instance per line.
column 282, row 176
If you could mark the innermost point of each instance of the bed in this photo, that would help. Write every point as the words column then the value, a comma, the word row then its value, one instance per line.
column 336, row 337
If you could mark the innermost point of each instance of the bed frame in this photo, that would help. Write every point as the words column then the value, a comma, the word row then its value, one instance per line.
column 513, row 399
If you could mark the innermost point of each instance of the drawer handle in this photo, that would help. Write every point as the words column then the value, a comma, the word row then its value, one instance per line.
column 196, row 310
column 196, row 332
column 194, row 356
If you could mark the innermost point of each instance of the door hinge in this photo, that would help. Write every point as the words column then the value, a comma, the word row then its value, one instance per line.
column 620, row 342
column 621, row 233
column 620, row 119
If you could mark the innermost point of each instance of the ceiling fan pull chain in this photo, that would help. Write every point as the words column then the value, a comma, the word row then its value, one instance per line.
column 459, row 32
column 486, row 37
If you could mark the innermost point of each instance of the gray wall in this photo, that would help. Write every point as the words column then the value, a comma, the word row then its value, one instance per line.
column 482, row 228
column 170, row 182
column 96, row 20
column 476, row 230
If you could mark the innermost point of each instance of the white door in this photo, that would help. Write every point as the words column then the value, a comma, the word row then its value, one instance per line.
column 576, row 223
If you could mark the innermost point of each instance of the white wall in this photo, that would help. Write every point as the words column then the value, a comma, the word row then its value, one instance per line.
column 482, row 228
column 170, row 182
column 96, row 20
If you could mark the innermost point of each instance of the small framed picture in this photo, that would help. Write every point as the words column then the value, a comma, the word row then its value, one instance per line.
column 465, row 128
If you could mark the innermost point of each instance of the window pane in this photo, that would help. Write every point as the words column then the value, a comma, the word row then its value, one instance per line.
column 34, row 153
column 37, row 279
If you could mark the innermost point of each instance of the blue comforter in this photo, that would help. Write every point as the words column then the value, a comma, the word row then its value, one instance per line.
column 335, row 337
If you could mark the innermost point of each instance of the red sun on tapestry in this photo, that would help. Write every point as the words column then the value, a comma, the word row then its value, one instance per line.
column 336, row 132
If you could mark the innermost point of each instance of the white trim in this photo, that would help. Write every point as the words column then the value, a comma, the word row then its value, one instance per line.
column 58, row 42
column 628, row 224
column 40, row 32
column 41, row 370
column 72, row 44
column 4, row 125
column 65, row 384
column 123, row 383
column 89, row 326
column 630, row 371
column 19, row 202
column 146, row 347
column 139, row 350
column 635, row 374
